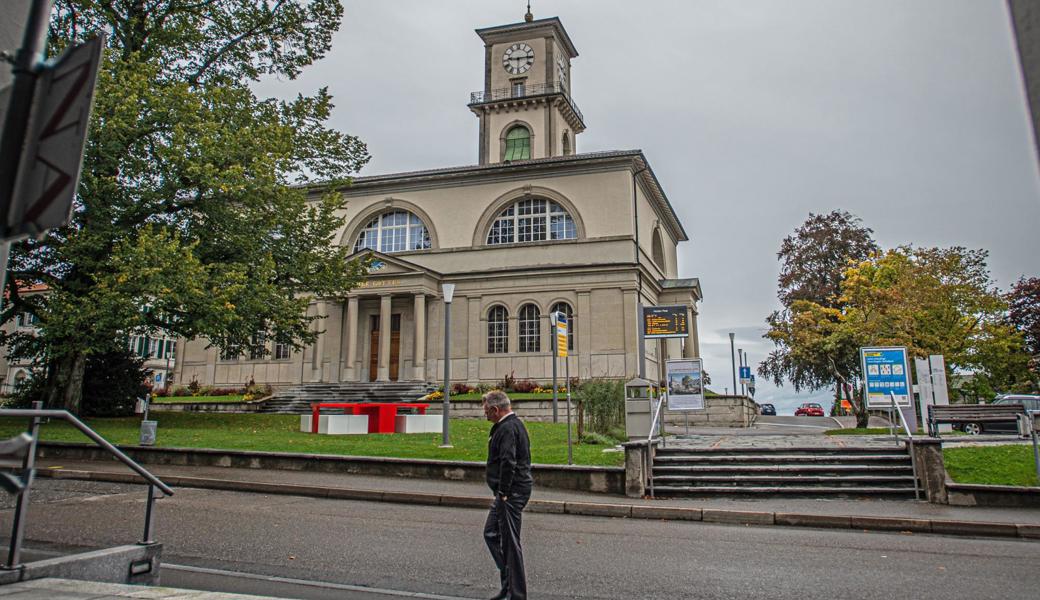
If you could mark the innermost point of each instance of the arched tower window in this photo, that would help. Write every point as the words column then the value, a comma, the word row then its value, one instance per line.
column 394, row 231
column 498, row 330
column 530, row 329
column 565, row 144
column 532, row 220
column 565, row 308
column 658, row 249
column 518, row 143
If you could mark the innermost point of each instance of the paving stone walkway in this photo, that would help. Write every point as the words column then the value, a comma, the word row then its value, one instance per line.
column 67, row 589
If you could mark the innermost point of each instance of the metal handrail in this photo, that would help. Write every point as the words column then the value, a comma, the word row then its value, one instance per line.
column 649, row 443
column 28, row 467
column 910, row 439
column 525, row 91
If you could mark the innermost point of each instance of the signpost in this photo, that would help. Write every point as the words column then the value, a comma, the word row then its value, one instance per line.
column 559, row 323
column 887, row 380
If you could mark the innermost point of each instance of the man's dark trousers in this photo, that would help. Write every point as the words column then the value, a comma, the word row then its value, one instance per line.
column 502, row 534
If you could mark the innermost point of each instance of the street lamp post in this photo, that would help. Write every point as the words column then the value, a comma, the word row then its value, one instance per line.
column 733, row 359
column 449, row 291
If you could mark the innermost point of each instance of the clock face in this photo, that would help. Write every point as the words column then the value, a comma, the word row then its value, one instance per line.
column 561, row 71
column 518, row 58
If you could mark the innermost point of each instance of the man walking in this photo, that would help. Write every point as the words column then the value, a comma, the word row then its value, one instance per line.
column 509, row 477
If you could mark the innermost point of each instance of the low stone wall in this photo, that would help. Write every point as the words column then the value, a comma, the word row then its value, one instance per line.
column 212, row 407
column 940, row 489
column 608, row 480
column 135, row 564
column 719, row 411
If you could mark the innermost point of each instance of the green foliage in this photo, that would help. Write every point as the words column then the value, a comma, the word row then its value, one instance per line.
column 190, row 200
column 601, row 406
column 112, row 384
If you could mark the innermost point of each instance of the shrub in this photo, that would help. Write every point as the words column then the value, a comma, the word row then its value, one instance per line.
column 507, row 382
column 181, row 392
column 601, row 406
column 524, row 386
column 483, row 388
column 436, row 395
column 460, row 388
column 597, row 439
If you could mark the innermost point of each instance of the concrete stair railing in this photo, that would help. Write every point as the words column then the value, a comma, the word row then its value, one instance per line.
column 866, row 471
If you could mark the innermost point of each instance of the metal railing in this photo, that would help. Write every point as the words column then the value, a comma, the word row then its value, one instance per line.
column 28, row 468
column 647, row 457
column 525, row 91
column 910, row 439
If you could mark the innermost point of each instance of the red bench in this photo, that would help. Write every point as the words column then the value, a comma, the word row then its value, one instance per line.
column 381, row 415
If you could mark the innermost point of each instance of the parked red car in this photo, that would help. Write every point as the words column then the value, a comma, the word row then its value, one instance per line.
column 809, row 409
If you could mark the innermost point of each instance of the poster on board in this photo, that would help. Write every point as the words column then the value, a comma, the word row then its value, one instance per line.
column 885, row 372
column 685, row 384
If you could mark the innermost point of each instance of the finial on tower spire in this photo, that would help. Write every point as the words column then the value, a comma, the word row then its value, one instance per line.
column 528, row 17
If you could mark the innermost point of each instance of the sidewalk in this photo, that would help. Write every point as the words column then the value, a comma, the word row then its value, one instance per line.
column 66, row 589
column 866, row 514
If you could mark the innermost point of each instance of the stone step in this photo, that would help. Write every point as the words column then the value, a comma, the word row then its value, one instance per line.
column 792, row 450
column 783, row 468
column 834, row 480
column 685, row 491
column 780, row 458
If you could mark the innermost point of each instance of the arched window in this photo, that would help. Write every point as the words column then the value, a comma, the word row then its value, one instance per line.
column 563, row 307
column 518, row 144
column 530, row 329
column 498, row 330
column 532, row 220
column 658, row 249
column 566, row 144
column 394, row 231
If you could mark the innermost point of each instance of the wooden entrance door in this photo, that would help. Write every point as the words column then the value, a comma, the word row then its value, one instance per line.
column 395, row 347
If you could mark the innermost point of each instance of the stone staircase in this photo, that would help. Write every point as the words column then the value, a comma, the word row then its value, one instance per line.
column 297, row 399
column 806, row 471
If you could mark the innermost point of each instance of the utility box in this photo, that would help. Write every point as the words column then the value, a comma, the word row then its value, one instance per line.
column 641, row 398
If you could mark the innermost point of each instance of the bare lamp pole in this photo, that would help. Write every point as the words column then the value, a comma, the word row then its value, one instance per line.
column 733, row 359
column 449, row 291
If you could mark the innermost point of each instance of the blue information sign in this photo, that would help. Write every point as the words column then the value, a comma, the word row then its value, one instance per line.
column 745, row 375
column 885, row 372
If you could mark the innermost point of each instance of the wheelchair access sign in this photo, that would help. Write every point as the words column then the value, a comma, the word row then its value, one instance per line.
column 885, row 372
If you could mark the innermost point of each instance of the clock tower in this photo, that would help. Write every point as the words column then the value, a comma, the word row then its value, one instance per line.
column 525, row 109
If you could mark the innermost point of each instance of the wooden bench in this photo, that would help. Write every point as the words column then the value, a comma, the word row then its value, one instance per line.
column 962, row 414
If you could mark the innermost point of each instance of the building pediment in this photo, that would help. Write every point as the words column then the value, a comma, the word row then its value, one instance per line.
column 390, row 273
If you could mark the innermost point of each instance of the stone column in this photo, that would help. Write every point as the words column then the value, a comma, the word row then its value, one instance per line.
column 321, row 325
column 694, row 333
column 383, row 371
column 352, row 333
column 419, row 345
column 583, row 335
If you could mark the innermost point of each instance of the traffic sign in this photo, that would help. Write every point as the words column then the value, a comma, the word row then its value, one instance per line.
column 745, row 375
column 49, row 169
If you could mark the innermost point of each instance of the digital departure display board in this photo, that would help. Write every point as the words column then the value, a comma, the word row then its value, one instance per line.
column 665, row 322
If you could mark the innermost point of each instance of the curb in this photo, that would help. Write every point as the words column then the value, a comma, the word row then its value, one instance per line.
column 1024, row 531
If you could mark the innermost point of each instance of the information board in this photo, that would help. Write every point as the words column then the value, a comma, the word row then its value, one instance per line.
column 685, row 384
column 561, row 335
column 885, row 372
column 665, row 322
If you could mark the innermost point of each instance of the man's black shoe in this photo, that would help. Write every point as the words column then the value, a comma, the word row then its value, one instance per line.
column 501, row 596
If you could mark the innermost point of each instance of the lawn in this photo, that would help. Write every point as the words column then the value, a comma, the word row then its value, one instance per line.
column 178, row 399
column 1010, row 464
column 280, row 433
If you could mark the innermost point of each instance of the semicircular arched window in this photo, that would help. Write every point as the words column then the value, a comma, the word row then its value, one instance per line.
column 394, row 231
column 532, row 220
column 518, row 144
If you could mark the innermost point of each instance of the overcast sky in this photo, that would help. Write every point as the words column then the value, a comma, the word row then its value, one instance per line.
column 754, row 113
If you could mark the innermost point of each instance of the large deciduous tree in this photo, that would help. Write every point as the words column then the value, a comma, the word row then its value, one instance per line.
column 1024, row 314
column 193, row 200
column 812, row 262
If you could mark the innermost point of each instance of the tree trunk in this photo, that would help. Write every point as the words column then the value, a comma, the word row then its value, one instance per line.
column 65, row 385
column 859, row 405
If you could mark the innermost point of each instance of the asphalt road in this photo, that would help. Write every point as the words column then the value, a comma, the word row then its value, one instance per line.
column 363, row 550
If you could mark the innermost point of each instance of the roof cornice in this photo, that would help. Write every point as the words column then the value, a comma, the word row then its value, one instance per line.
column 490, row 35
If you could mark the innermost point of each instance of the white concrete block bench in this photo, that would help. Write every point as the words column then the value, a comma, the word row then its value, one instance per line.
column 418, row 423
column 336, row 424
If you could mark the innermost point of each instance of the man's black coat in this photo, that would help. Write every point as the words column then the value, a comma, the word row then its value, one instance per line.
column 509, row 458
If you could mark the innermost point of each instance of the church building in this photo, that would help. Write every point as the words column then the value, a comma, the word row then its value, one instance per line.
column 534, row 227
